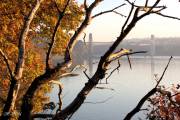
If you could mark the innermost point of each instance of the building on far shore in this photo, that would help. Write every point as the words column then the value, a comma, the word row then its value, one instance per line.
column 153, row 46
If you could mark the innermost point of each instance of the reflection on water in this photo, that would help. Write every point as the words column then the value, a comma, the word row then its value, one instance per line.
column 125, row 88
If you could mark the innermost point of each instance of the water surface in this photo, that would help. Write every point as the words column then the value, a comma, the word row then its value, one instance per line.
column 124, row 89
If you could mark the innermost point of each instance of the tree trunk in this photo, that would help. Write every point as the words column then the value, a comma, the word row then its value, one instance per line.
column 14, row 87
column 10, row 102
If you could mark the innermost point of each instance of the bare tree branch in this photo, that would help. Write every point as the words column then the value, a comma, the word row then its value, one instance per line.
column 104, row 88
column 59, row 94
column 99, row 102
column 150, row 10
column 23, row 36
column 60, row 17
column 130, row 53
column 100, row 72
column 140, row 104
column 7, row 63
column 105, row 60
column 138, row 6
column 119, row 65
column 15, row 85
column 79, row 31
column 167, row 16
column 146, row 4
column 67, row 74
column 129, row 61
column 85, row 5
column 118, row 54
column 78, row 66
column 124, row 25
column 149, row 94
column 108, row 11
column 163, row 72
column 86, row 74
column 118, row 13
column 50, row 74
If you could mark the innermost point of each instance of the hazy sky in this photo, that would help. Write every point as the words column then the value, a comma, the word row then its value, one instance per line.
column 108, row 26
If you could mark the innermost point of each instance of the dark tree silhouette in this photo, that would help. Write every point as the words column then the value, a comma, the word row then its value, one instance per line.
column 52, row 73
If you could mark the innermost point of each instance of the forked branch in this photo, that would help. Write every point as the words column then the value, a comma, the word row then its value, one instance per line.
column 60, row 17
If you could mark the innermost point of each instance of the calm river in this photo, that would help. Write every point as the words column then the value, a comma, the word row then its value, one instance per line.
column 124, row 89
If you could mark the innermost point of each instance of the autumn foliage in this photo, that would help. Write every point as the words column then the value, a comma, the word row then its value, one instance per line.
column 165, row 105
column 12, row 16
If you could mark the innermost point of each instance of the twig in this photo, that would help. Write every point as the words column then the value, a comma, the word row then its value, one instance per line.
column 7, row 63
column 108, row 11
column 68, row 74
column 160, row 79
column 129, row 61
column 145, row 109
column 102, row 88
column 138, row 6
column 149, row 11
column 119, row 65
column 167, row 16
column 86, row 74
column 118, row 13
column 130, row 13
column 100, row 102
column 78, row 66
